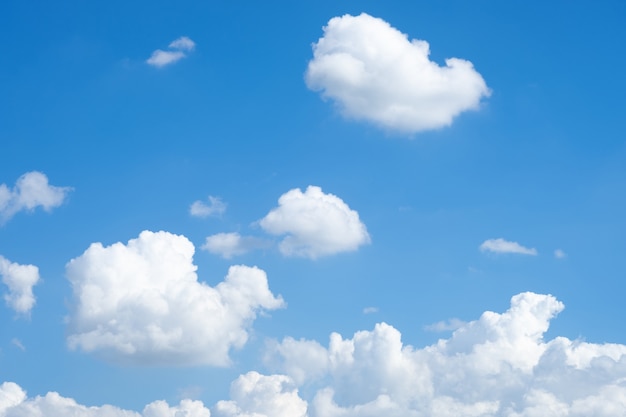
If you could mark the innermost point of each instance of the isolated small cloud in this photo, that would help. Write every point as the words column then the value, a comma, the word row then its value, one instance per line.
column 504, row 246
column 142, row 303
column 31, row 190
column 178, row 50
column 560, row 254
column 374, row 73
column 18, row 344
column 19, row 281
column 215, row 207
column 316, row 224
column 370, row 310
column 445, row 325
column 228, row 245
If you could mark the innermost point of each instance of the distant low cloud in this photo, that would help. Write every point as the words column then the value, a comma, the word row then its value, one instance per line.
column 560, row 254
column 19, row 281
column 215, row 207
column 142, row 303
column 31, row 190
column 15, row 403
column 504, row 246
column 177, row 50
column 228, row 245
column 374, row 73
column 316, row 224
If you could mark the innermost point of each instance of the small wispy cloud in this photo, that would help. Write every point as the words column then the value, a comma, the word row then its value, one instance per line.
column 560, row 254
column 177, row 50
column 445, row 325
column 18, row 344
column 370, row 310
column 215, row 207
column 504, row 246
column 228, row 245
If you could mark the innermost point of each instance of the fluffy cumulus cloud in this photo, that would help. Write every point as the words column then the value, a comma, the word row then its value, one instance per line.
column 31, row 190
column 374, row 73
column 142, row 303
column 504, row 246
column 177, row 50
column 256, row 395
column 215, row 207
column 15, row 403
column 228, row 245
column 499, row 365
column 19, row 281
column 316, row 224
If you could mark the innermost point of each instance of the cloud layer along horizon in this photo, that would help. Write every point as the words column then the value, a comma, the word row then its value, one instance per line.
column 497, row 366
column 142, row 303
column 374, row 73
column 316, row 224
column 31, row 190
column 19, row 280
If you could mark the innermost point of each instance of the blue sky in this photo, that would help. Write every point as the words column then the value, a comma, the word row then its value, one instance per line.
column 378, row 189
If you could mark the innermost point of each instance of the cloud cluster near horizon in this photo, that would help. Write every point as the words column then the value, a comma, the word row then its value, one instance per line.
column 31, row 190
column 373, row 72
column 498, row 366
column 142, row 303
column 177, row 50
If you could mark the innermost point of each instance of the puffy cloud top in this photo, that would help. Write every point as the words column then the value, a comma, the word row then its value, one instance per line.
column 374, row 73
column 31, row 191
column 316, row 224
column 498, row 365
column 142, row 303
column 20, row 280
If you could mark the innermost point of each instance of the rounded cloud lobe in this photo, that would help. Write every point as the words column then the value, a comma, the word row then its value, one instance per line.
column 374, row 73
column 142, row 303
column 20, row 280
column 316, row 224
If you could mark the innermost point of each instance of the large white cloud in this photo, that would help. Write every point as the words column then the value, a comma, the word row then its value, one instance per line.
column 499, row 365
column 142, row 303
column 504, row 246
column 316, row 224
column 19, row 280
column 373, row 72
column 15, row 403
column 31, row 191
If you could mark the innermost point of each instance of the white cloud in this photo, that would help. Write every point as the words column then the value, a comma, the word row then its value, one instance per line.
column 15, row 403
column 178, row 49
column 370, row 310
column 499, row 366
column 18, row 344
column 316, row 224
column 373, row 72
column 256, row 395
column 445, row 326
column 216, row 207
column 560, row 254
column 504, row 246
column 183, row 43
column 20, row 280
column 142, row 303
column 31, row 191
column 228, row 245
